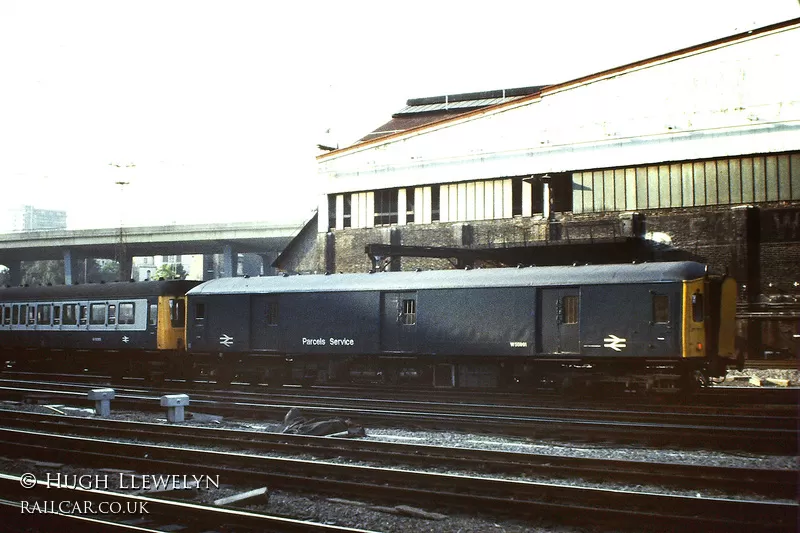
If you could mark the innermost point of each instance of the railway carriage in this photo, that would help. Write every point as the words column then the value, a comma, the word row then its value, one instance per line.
column 109, row 327
column 644, row 325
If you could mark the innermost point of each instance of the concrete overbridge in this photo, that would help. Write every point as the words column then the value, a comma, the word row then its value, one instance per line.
column 122, row 244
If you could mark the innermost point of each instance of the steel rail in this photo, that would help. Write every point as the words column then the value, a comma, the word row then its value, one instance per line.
column 781, row 417
column 765, row 482
column 160, row 513
column 659, row 432
column 562, row 503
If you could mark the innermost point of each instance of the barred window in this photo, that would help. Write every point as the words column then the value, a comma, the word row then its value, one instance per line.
column 386, row 207
column 272, row 313
column 408, row 315
column 570, row 306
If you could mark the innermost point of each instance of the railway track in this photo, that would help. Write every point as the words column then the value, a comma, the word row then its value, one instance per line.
column 775, row 434
column 731, row 402
column 561, row 503
column 130, row 512
column 756, row 481
column 706, row 398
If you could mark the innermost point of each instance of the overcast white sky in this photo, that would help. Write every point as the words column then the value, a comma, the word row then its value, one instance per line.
column 219, row 105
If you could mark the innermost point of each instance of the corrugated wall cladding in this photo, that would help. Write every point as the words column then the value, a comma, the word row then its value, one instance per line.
column 736, row 180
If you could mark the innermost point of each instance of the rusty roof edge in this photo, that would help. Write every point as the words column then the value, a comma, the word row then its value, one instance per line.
column 552, row 89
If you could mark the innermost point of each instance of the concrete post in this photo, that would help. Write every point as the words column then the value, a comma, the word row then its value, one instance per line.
column 174, row 404
column 102, row 400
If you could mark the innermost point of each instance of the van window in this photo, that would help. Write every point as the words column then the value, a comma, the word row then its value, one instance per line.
column 660, row 309
column 570, row 309
column 697, row 307
column 272, row 313
column 152, row 314
column 177, row 312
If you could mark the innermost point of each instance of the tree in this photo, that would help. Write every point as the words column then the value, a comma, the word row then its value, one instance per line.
column 43, row 272
column 168, row 271
column 109, row 272
column 5, row 276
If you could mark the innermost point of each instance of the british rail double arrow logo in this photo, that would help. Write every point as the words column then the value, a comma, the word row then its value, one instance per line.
column 615, row 343
column 226, row 340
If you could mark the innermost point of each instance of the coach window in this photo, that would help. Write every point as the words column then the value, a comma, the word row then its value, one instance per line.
column 126, row 313
column 31, row 315
column 408, row 317
column 660, row 309
column 112, row 314
column 97, row 314
column 15, row 315
column 56, row 315
column 570, row 306
column 272, row 314
column 7, row 315
column 152, row 314
column 697, row 307
column 176, row 312
column 70, row 317
column 43, row 312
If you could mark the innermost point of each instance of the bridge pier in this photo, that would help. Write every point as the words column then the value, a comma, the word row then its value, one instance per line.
column 70, row 267
column 208, row 267
column 125, row 265
column 230, row 261
column 266, row 261
column 15, row 272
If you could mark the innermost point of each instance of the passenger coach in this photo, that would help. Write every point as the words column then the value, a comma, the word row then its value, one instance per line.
column 640, row 324
column 104, row 327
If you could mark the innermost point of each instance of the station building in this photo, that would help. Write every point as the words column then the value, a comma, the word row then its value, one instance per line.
column 694, row 154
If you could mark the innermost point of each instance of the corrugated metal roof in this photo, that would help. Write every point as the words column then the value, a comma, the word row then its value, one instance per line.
column 438, row 279
column 545, row 90
column 465, row 104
